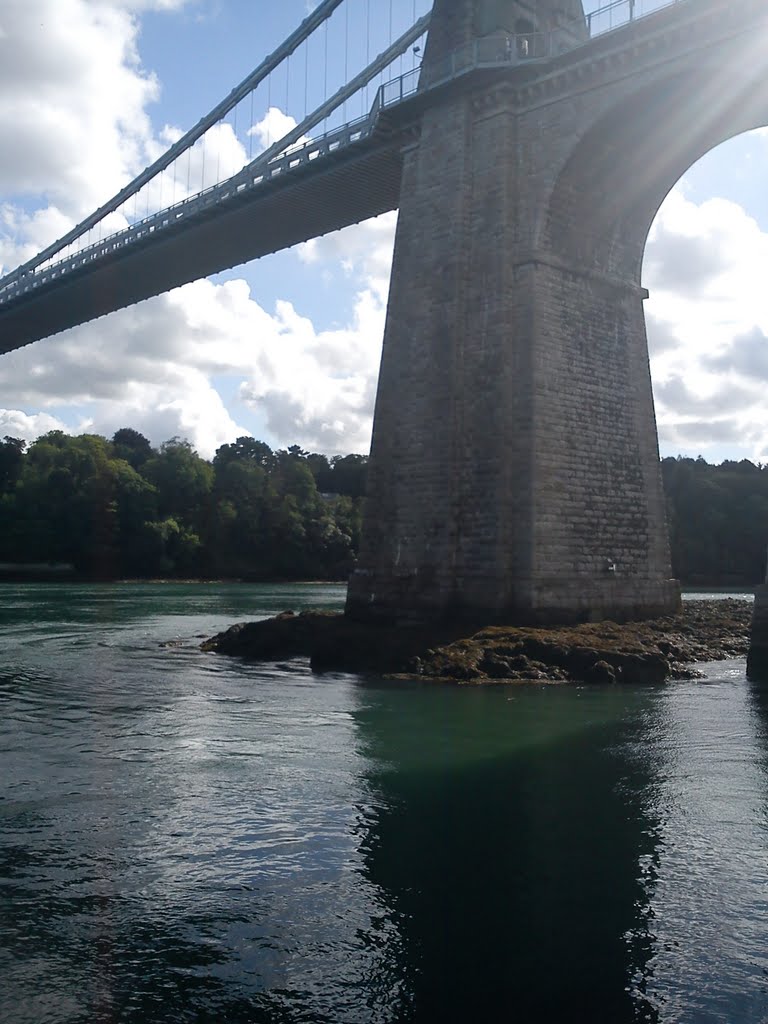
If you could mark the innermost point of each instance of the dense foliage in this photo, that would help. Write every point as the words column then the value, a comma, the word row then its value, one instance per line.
column 121, row 508
column 718, row 520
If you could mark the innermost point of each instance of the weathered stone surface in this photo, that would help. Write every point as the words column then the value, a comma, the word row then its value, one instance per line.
column 639, row 652
column 757, row 659
column 330, row 640
column 514, row 471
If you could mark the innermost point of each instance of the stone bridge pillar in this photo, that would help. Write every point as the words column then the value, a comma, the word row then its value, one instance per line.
column 757, row 660
column 514, row 467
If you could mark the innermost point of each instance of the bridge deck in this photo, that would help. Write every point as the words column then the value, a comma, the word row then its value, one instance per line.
column 343, row 188
column 335, row 181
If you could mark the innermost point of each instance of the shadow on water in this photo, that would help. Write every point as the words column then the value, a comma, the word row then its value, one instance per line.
column 514, row 842
column 758, row 700
column 758, row 703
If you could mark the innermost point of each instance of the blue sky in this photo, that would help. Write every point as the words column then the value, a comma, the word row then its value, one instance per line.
column 288, row 348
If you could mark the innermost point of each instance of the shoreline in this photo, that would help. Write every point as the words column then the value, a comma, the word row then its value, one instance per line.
column 690, row 591
column 32, row 577
column 605, row 652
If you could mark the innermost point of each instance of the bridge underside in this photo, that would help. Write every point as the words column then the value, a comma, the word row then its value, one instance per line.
column 331, row 193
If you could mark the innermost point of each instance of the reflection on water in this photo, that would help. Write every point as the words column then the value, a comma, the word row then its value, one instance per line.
column 711, row 894
column 513, row 838
column 185, row 838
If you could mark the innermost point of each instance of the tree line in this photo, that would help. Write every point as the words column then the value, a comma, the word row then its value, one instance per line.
column 120, row 508
column 718, row 521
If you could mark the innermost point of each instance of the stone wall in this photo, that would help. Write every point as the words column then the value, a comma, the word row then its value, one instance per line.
column 757, row 660
column 514, row 469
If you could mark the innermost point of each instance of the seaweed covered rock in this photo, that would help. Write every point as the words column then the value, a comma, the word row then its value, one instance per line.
column 605, row 652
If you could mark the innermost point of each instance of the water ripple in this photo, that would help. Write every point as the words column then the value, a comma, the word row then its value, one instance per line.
column 186, row 838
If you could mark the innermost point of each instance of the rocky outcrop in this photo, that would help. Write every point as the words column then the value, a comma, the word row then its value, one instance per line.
column 605, row 652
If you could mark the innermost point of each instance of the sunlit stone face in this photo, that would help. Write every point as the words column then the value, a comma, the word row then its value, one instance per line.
column 520, row 16
column 499, row 15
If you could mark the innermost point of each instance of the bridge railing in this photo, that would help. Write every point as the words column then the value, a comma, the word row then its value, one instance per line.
column 350, row 133
column 619, row 12
column 518, row 48
column 479, row 53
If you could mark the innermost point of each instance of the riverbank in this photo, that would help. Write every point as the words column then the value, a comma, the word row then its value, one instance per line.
column 604, row 652
column 67, row 574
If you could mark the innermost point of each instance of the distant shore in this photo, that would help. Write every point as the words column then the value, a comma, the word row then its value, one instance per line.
column 10, row 573
column 66, row 575
column 603, row 652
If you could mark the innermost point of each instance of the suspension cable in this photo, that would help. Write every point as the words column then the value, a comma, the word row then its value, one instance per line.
column 325, row 109
column 250, row 129
column 368, row 37
column 317, row 17
column 269, row 109
column 346, row 53
column 325, row 63
column 306, row 78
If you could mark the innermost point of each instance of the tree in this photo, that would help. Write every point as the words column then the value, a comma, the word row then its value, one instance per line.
column 321, row 471
column 66, row 503
column 184, row 482
column 245, row 449
column 718, row 519
column 242, row 490
column 349, row 475
column 132, row 447
column 11, row 462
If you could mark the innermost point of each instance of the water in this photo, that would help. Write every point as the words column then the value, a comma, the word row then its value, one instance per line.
column 185, row 838
column 734, row 594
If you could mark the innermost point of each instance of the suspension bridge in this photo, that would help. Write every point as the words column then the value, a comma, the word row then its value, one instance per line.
column 514, row 469
column 174, row 224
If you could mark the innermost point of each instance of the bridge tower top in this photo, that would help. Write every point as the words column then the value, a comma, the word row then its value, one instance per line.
column 456, row 23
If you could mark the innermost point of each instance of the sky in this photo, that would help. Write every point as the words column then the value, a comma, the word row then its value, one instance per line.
column 287, row 348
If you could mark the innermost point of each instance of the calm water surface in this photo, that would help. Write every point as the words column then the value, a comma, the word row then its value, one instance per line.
column 185, row 838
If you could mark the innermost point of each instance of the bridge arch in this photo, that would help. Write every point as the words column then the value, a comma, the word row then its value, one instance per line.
column 626, row 161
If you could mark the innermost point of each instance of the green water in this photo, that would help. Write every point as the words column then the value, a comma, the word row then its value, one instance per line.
column 188, row 838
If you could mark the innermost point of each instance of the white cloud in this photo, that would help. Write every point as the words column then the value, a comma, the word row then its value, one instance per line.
column 364, row 251
column 14, row 423
column 74, row 115
column 23, row 234
column 746, row 357
column 707, row 324
column 73, row 99
column 157, row 366
column 319, row 387
column 274, row 126
column 74, row 102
